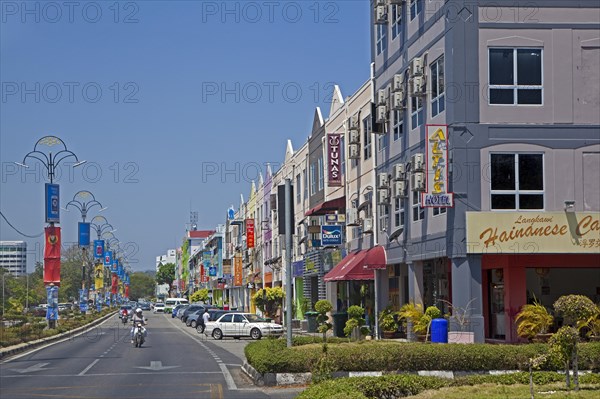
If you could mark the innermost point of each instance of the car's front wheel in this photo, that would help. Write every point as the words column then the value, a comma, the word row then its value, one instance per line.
column 217, row 334
column 193, row 324
column 255, row 333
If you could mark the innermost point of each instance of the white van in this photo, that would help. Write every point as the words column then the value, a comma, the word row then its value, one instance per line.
column 170, row 303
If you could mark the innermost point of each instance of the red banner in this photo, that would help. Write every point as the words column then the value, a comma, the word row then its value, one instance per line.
column 115, row 283
column 334, row 167
column 52, row 256
column 126, row 291
column 237, row 271
column 249, row 233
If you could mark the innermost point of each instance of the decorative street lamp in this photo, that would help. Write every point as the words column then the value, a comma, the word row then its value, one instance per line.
column 43, row 152
column 101, row 225
column 83, row 201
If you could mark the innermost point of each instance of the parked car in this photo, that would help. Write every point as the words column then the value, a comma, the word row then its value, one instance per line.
column 190, row 309
column 159, row 307
column 145, row 306
column 175, row 310
column 194, row 318
column 180, row 311
column 242, row 325
column 214, row 315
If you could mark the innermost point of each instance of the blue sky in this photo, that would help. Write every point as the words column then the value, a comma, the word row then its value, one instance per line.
column 154, row 94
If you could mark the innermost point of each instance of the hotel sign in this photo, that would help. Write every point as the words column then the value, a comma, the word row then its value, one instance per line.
column 436, row 188
column 249, row 233
column 533, row 232
column 334, row 171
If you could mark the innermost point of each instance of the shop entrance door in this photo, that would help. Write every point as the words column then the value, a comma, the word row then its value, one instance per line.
column 496, row 304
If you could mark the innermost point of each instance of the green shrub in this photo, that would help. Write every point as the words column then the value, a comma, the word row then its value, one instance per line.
column 273, row 356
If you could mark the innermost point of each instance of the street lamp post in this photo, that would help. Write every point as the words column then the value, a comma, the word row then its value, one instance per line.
column 83, row 201
column 42, row 151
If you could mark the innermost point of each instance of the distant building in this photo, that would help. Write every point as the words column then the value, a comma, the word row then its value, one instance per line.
column 170, row 257
column 13, row 257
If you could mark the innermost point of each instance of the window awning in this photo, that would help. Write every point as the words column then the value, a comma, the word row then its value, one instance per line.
column 338, row 204
column 358, row 265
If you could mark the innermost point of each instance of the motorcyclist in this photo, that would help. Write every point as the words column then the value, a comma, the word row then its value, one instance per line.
column 124, row 313
column 137, row 317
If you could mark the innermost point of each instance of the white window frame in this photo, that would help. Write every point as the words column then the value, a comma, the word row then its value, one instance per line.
column 313, row 179
column 367, row 132
column 439, row 211
column 298, row 188
column 438, row 97
column 382, row 141
column 399, row 215
column 380, row 38
column 384, row 217
column 396, row 21
column 417, row 209
column 416, row 112
column 516, row 192
column 398, row 124
column 321, row 173
column 415, row 6
column 304, row 177
column 515, row 87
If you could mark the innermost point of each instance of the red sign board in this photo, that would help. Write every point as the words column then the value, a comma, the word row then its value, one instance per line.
column 237, row 271
column 249, row 233
column 334, row 167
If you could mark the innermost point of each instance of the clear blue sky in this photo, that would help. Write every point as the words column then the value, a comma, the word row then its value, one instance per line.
column 138, row 92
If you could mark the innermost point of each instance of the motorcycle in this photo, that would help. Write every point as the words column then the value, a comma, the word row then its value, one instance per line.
column 124, row 318
column 139, row 333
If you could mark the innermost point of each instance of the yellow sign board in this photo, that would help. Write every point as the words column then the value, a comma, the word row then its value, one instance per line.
column 533, row 232
column 99, row 276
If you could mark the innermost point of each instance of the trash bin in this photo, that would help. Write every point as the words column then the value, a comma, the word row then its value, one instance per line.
column 439, row 331
column 311, row 317
column 339, row 322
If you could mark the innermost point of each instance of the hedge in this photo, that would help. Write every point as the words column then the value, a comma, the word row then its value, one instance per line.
column 398, row 386
column 274, row 357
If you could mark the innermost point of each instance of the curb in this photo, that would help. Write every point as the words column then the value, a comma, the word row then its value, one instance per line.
column 13, row 350
column 284, row 379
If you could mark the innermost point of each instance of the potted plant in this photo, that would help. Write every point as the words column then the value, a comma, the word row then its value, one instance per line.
column 411, row 313
column 355, row 326
column 387, row 323
column 533, row 322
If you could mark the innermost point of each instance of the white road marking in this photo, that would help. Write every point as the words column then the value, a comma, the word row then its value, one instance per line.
column 156, row 366
column 85, row 370
column 113, row 374
column 30, row 369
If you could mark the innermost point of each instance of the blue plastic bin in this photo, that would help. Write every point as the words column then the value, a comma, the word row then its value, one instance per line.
column 439, row 331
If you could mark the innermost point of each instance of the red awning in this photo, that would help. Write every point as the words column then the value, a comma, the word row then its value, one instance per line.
column 358, row 265
column 338, row 204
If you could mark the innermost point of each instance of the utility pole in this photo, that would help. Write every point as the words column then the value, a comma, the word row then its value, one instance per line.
column 288, row 260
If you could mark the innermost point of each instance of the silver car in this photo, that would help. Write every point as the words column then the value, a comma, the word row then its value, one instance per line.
column 242, row 325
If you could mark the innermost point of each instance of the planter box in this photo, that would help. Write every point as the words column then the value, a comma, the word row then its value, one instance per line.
column 461, row 337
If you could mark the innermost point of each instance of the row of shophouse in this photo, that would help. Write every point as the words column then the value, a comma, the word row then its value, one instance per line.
column 464, row 171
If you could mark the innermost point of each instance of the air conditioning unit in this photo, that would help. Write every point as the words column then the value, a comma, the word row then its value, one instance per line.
column 383, row 180
column 398, row 83
column 381, row 14
column 417, row 163
column 354, row 123
column 353, row 151
column 417, row 181
column 368, row 225
column 382, row 97
column 354, row 137
column 400, row 189
column 399, row 171
column 352, row 217
column 398, row 100
column 417, row 86
column 381, row 116
column 384, row 196
column 415, row 68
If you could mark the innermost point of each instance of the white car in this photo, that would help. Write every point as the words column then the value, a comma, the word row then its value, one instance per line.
column 242, row 325
column 159, row 307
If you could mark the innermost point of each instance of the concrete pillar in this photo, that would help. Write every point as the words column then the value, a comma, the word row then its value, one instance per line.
column 415, row 282
column 467, row 293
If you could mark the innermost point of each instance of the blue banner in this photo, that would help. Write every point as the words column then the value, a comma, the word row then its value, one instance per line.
column 115, row 266
column 120, row 270
column 298, row 268
column 52, row 300
column 83, row 304
column 98, row 249
column 52, row 203
column 212, row 271
column 331, row 235
column 84, row 234
column 108, row 260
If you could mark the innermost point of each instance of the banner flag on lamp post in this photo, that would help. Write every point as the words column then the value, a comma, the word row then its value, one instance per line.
column 52, row 256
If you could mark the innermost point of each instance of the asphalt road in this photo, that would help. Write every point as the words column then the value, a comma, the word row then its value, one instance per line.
column 174, row 362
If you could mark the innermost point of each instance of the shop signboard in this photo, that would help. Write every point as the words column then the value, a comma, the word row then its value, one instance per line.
column 533, row 232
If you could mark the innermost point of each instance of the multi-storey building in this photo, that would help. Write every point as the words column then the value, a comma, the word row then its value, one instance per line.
column 169, row 257
column 13, row 257
column 491, row 108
